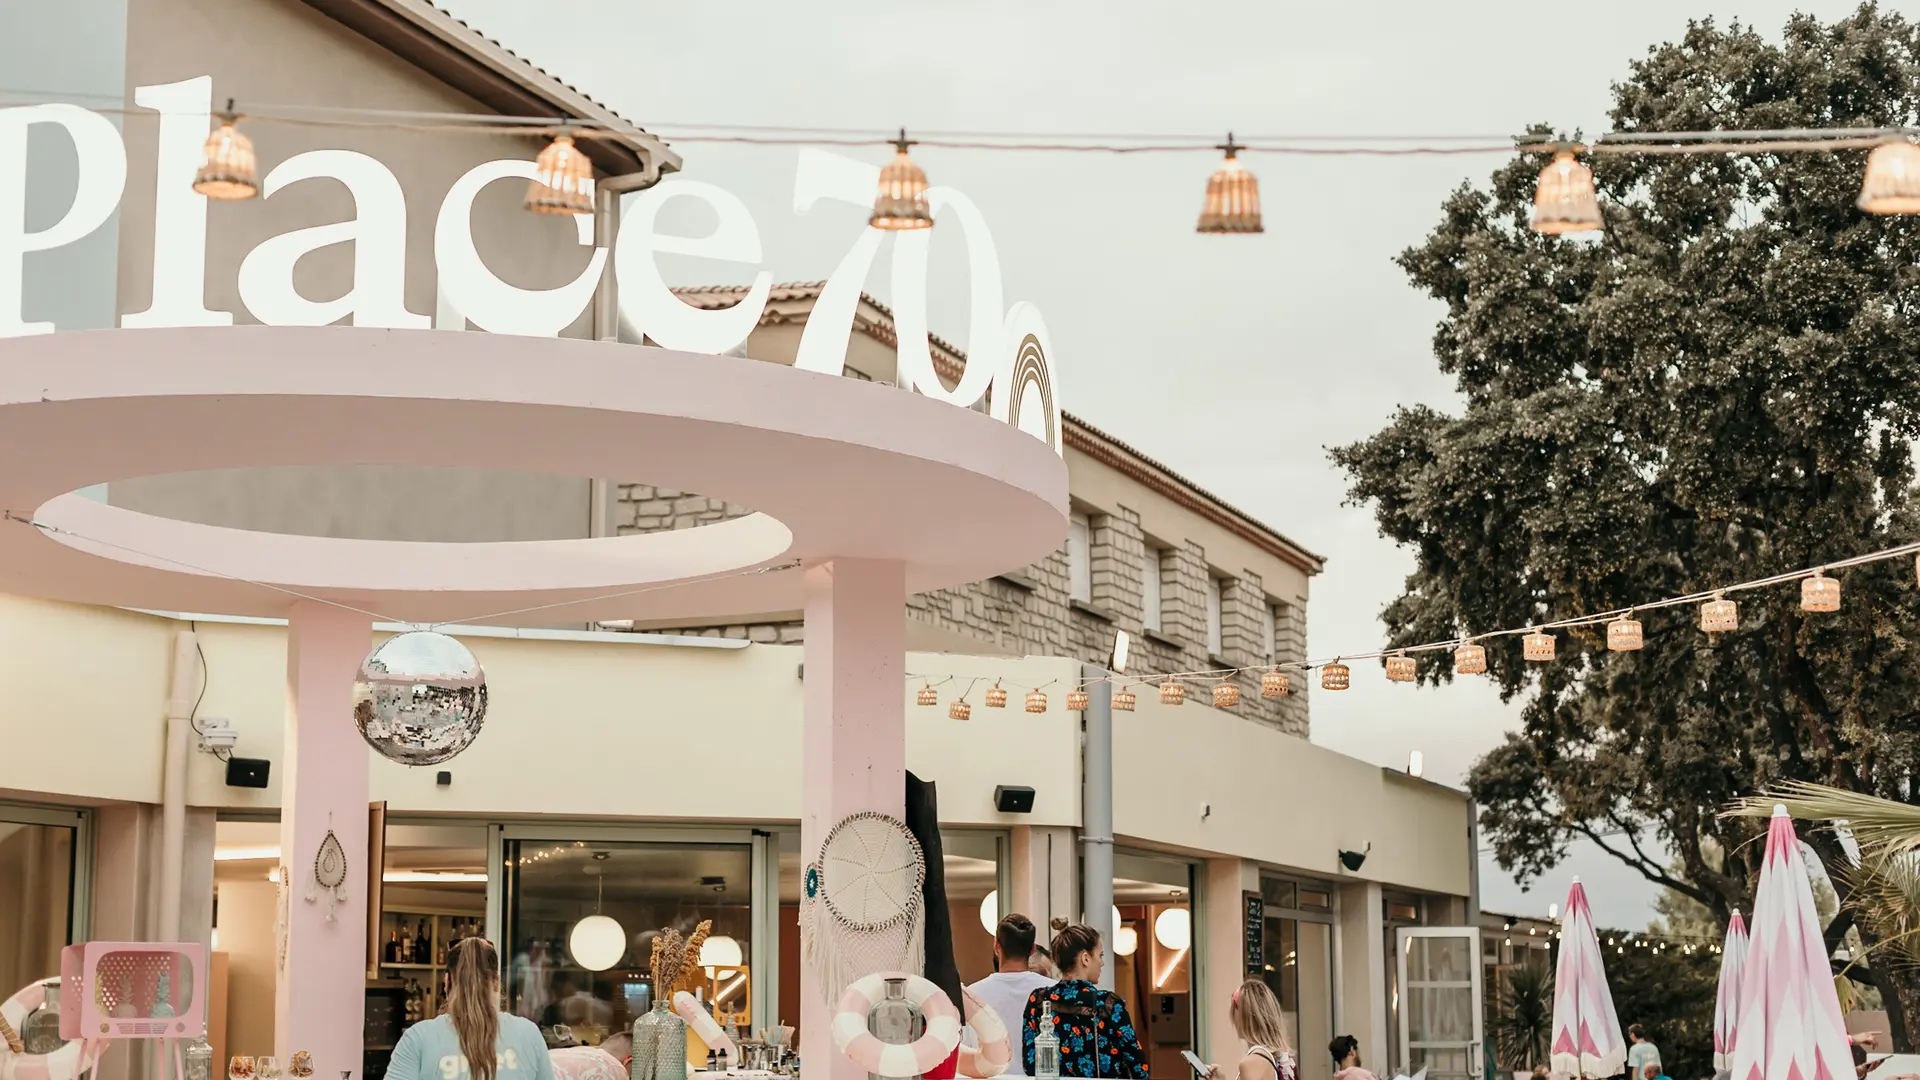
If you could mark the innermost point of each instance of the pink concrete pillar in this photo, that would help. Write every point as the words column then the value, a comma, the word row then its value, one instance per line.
column 320, row 997
column 854, row 737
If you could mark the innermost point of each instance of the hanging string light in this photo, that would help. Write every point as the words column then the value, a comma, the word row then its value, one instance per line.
column 1819, row 592
column 1625, row 634
column 1225, row 695
column 564, row 184
column 1078, row 700
column 1335, row 676
column 1402, row 668
column 901, row 202
column 1233, row 196
column 1719, row 615
column 1892, row 183
column 1470, row 659
column 928, row 695
column 1563, row 199
column 228, row 169
column 1273, row 684
column 996, row 697
column 1124, row 700
column 1173, row 692
column 1537, row 646
column 1036, row 701
column 960, row 710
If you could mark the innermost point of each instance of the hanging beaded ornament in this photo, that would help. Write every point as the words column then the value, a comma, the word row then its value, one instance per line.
column 330, row 872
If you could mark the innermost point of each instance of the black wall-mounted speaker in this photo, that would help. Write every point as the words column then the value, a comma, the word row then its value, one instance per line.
column 247, row 772
column 1013, row 800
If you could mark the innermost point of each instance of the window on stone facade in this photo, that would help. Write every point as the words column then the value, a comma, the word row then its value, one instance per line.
column 1150, row 588
column 1080, row 558
column 1269, row 629
column 1213, row 616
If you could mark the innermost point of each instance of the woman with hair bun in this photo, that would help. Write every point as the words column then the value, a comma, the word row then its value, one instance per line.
column 1096, row 1035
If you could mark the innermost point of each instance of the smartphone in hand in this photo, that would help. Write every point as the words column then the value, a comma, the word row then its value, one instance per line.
column 1200, row 1068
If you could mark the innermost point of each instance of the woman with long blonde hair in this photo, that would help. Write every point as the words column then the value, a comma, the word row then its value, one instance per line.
column 1258, row 1021
column 473, row 1039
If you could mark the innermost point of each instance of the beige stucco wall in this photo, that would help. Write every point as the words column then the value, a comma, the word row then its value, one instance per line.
column 639, row 731
column 282, row 52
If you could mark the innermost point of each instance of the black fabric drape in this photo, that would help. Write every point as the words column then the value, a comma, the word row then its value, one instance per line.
column 923, row 821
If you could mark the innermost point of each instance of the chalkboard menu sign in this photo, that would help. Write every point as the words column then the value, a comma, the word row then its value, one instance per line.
column 1254, row 910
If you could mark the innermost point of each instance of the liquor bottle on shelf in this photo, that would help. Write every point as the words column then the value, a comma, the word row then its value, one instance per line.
column 422, row 945
column 393, row 946
column 406, row 944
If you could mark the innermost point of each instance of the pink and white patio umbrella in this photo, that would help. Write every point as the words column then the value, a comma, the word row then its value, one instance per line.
column 1789, row 1026
column 1586, row 1033
column 1726, row 1007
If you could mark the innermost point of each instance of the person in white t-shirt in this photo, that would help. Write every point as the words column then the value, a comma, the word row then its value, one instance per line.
column 1013, row 981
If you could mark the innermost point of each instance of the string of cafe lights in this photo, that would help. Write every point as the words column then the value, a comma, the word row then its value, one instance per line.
column 1819, row 594
column 1565, row 200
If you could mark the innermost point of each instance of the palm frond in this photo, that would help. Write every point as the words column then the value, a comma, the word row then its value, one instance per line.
column 1879, row 826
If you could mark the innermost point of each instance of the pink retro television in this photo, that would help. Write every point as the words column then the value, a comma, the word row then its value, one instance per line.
column 133, row 990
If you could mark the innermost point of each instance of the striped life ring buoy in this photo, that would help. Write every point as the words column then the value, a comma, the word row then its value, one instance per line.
column 917, row 1058
column 995, row 1051
column 687, row 1007
column 67, row 1063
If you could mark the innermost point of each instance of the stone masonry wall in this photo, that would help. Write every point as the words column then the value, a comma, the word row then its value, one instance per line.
column 1031, row 613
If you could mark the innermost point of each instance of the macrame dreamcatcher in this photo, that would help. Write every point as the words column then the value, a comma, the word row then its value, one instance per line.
column 329, row 872
column 861, row 908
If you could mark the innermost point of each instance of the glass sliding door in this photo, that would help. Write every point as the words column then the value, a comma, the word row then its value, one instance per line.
column 1439, row 969
column 42, row 856
column 580, row 917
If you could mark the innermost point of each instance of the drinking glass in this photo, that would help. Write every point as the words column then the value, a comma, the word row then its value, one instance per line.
column 239, row 1067
column 269, row 1068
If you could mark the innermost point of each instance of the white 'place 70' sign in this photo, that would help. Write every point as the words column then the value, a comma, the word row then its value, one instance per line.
column 1011, row 361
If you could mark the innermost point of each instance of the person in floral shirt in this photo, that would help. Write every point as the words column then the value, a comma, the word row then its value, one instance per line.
column 1096, row 1035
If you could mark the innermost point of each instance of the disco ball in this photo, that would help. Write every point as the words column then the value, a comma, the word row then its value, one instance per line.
column 420, row 699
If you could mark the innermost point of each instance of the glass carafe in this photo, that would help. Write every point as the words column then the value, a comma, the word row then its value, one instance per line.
column 197, row 1060
column 670, row 1044
column 895, row 1020
column 1046, row 1046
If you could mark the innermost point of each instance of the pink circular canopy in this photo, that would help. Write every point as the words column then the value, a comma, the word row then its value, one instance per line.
column 836, row 467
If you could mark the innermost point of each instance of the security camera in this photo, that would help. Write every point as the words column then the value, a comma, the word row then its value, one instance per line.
column 1354, row 860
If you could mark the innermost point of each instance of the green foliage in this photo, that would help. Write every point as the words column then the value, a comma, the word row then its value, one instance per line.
column 1726, row 385
column 1523, row 1017
column 1670, row 993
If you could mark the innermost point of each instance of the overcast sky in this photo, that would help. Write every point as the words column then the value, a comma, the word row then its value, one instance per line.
column 1235, row 360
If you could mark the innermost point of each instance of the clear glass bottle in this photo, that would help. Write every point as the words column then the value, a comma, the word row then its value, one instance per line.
column 895, row 1020
column 1046, row 1046
column 646, row 1039
column 197, row 1060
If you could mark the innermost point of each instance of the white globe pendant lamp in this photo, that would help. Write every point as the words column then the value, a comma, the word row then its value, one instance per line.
column 597, row 942
column 990, row 912
column 720, row 951
column 1173, row 928
column 1126, row 942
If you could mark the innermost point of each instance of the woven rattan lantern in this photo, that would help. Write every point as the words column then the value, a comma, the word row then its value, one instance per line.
column 1402, row 668
column 1563, row 200
column 996, row 697
column 1233, row 197
column 1077, row 700
column 960, row 710
column 1036, row 701
column 564, row 184
column 1173, row 692
column 228, row 169
column 1719, row 615
column 1625, row 634
column 1125, row 700
column 1470, row 659
column 928, row 695
column 1225, row 695
column 1819, row 593
column 1537, row 646
column 901, row 202
column 1274, row 684
column 1336, row 676
column 1892, row 184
